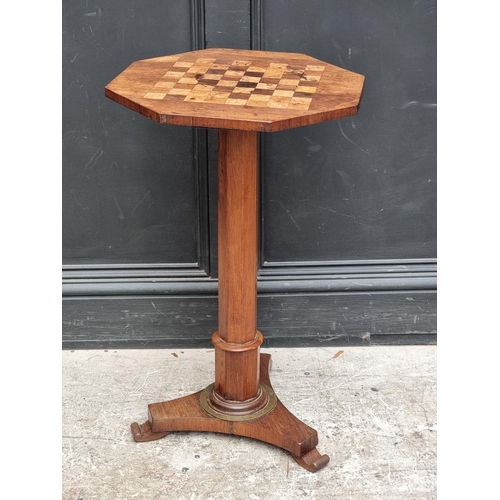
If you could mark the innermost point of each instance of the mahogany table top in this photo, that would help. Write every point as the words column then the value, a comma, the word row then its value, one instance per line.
column 238, row 89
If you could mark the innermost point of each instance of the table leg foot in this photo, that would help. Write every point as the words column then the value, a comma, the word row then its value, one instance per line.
column 312, row 461
column 143, row 433
column 279, row 427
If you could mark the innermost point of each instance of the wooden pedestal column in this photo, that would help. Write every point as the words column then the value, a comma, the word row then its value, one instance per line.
column 237, row 341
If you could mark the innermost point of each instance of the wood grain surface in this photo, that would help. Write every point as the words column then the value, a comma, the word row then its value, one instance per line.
column 238, row 89
column 236, row 352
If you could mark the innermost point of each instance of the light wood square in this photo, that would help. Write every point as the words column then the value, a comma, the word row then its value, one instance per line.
column 242, row 90
column 155, row 95
column 273, row 73
column 260, row 69
column 313, row 78
column 192, row 81
column 283, row 93
column 258, row 100
column 183, row 64
column 236, row 102
column 266, row 86
column 227, row 83
column 175, row 74
column 306, row 90
column 278, row 102
column 197, row 69
column 164, row 85
column 204, row 61
column 210, row 76
column 175, row 91
column 195, row 97
column 259, row 97
column 217, row 97
column 242, row 63
column 201, row 88
column 252, row 79
column 299, row 103
column 289, row 81
column 257, row 104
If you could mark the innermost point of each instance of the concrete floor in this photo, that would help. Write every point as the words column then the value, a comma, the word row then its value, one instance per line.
column 374, row 409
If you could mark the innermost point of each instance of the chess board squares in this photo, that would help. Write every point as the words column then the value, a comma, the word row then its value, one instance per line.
column 274, row 74
column 239, row 83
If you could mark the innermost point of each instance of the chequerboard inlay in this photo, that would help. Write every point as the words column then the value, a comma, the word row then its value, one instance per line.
column 252, row 90
column 240, row 83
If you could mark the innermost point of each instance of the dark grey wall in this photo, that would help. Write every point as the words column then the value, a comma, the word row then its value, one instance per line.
column 348, row 208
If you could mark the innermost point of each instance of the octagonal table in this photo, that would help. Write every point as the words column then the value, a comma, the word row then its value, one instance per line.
column 241, row 93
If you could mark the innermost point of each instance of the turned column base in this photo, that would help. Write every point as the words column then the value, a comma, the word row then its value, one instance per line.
column 262, row 404
column 272, row 423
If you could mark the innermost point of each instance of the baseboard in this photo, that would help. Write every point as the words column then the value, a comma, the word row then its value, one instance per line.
column 402, row 316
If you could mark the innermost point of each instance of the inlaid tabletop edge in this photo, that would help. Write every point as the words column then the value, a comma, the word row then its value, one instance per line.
column 217, row 122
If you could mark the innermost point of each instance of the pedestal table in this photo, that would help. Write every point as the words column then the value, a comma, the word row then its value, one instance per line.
column 240, row 93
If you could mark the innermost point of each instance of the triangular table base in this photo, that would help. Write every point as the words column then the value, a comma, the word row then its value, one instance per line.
column 279, row 427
